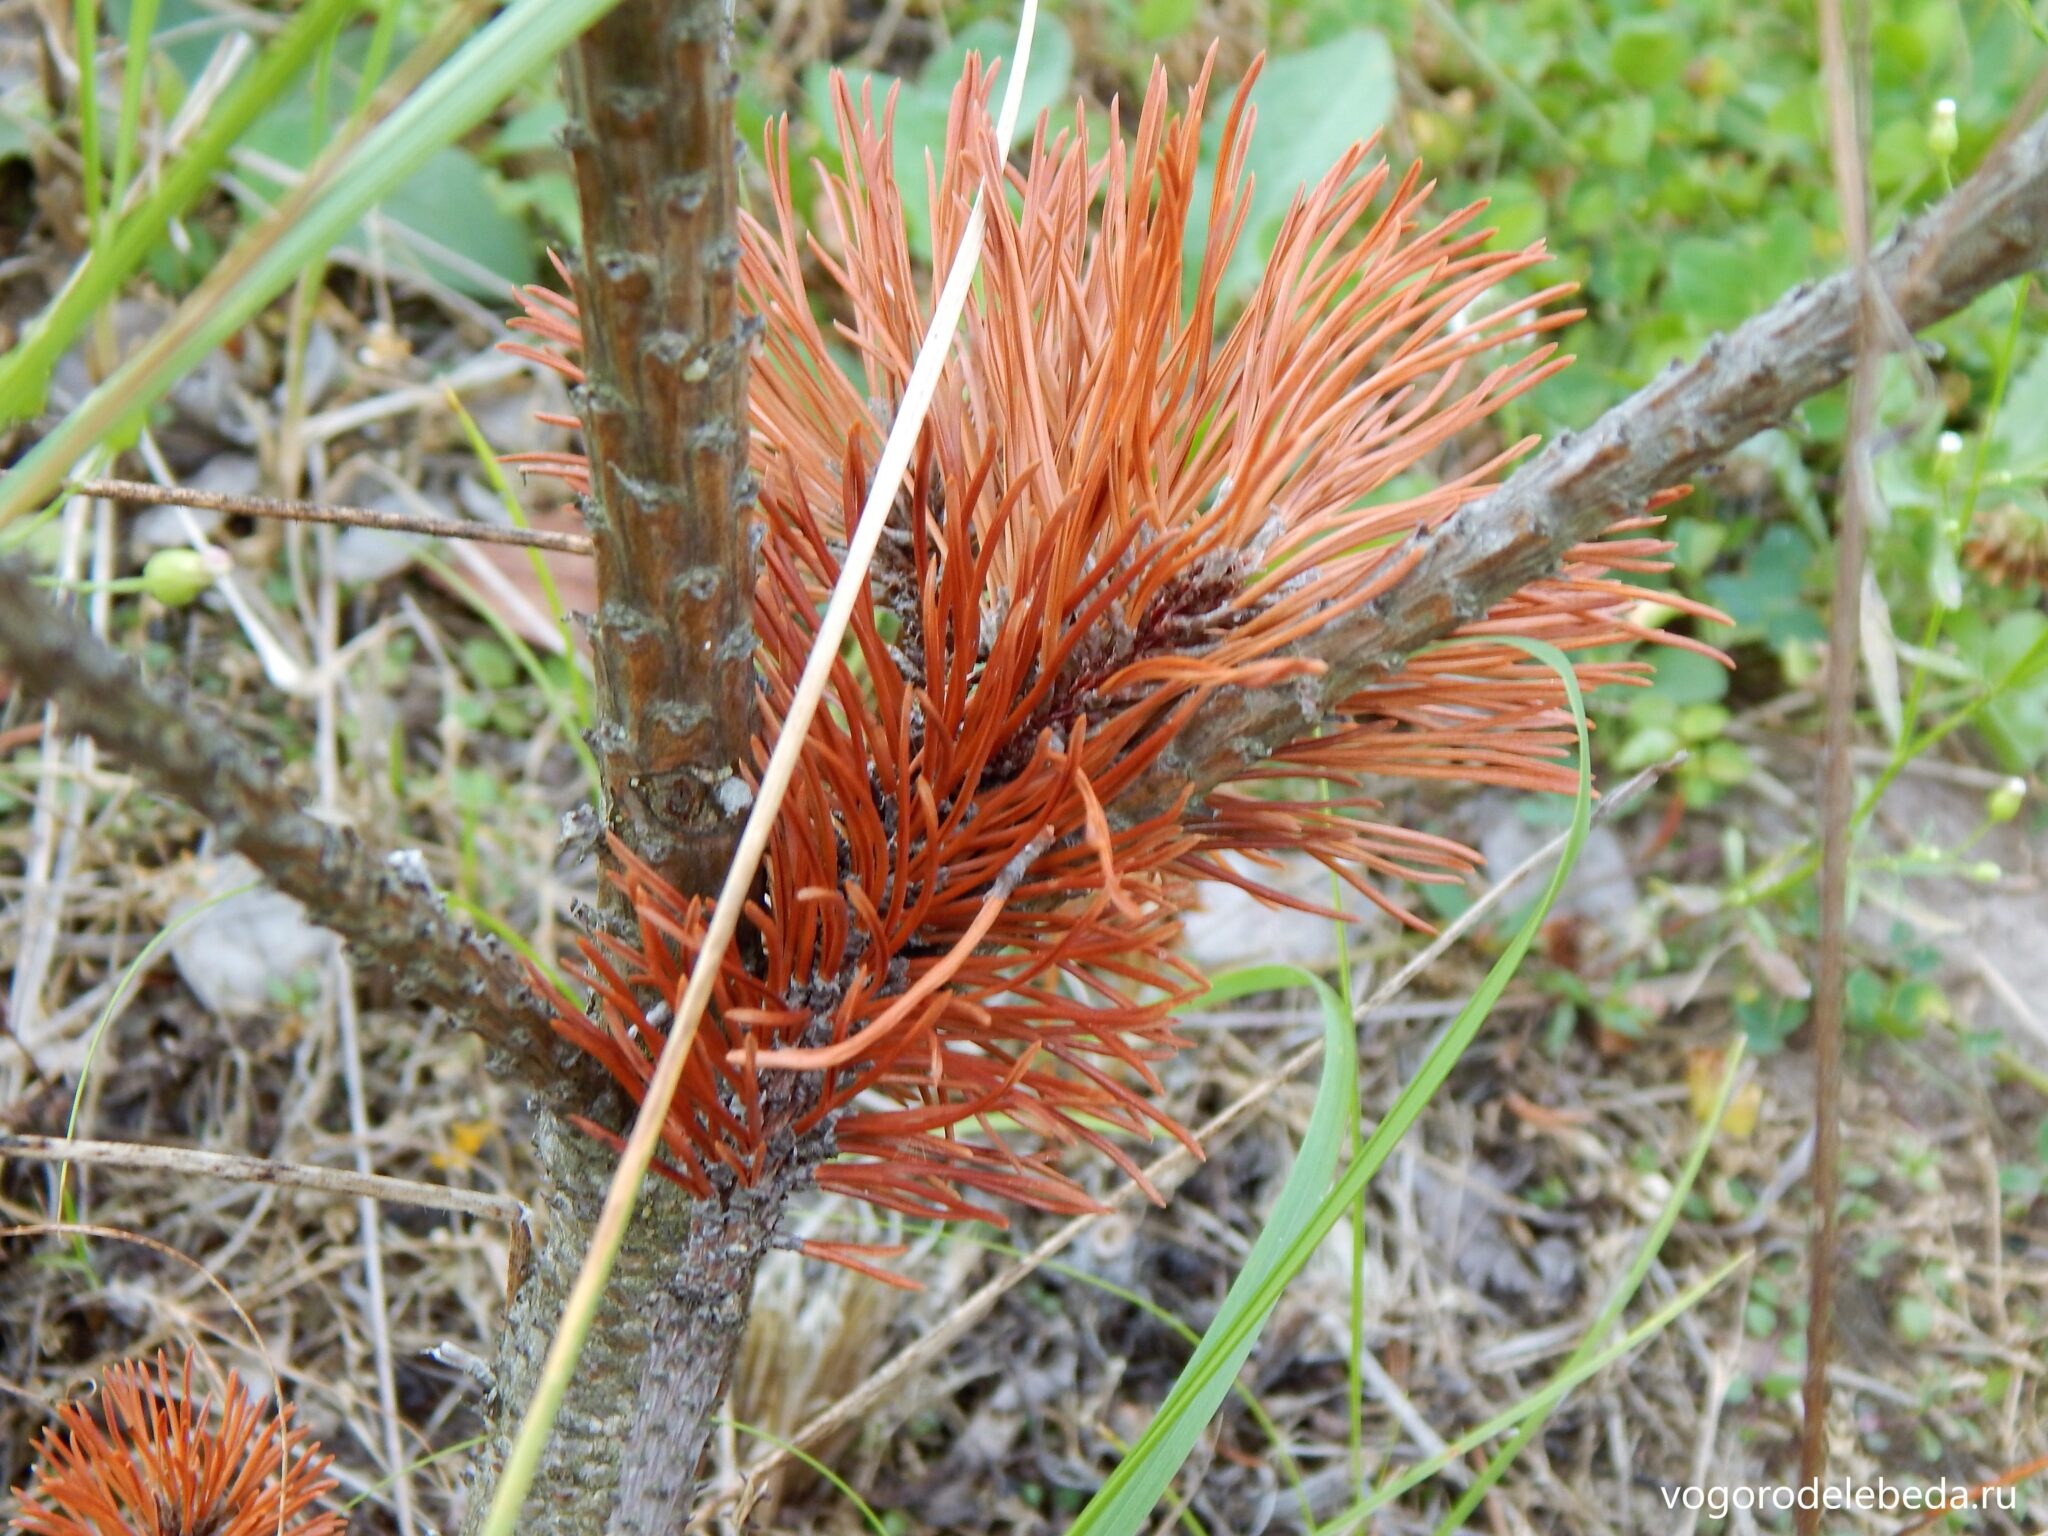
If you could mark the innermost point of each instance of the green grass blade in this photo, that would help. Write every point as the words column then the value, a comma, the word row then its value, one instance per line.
column 874, row 1521
column 25, row 371
column 1275, row 1437
column 512, row 939
column 306, row 223
column 378, row 56
column 1354, row 1346
column 1539, row 1402
column 372, row 1490
column 134, row 73
column 85, row 47
column 1125, row 1501
column 1617, row 1303
column 494, row 472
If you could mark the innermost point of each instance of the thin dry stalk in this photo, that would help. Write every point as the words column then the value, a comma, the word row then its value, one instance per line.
column 189, row 1162
column 142, row 493
column 1838, row 785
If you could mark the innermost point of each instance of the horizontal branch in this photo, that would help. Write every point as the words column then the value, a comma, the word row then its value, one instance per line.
column 234, row 1168
column 1993, row 227
column 393, row 922
column 142, row 493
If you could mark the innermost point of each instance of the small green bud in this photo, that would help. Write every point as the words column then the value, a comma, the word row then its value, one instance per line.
column 176, row 577
column 1942, row 137
column 1984, row 872
column 2004, row 802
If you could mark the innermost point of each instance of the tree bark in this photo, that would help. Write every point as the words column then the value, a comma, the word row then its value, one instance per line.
column 666, row 358
column 664, row 408
column 576, row 1488
column 626, row 1448
column 700, row 1318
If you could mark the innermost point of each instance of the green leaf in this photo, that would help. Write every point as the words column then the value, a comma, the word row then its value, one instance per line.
column 1048, row 89
column 2015, row 720
column 1627, row 129
column 14, row 143
column 1648, row 53
column 1312, row 107
column 1688, row 679
column 192, row 30
column 1141, row 1479
column 1768, row 595
column 2019, row 440
column 1708, row 281
column 1517, row 212
column 1155, row 19
column 923, row 104
column 1651, row 744
column 444, row 222
column 1124, row 1503
column 535, row 130
column 1725, row 763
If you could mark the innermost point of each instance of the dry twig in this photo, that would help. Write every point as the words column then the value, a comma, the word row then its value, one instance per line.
column 1838, row 787
column 142, row 493
column 235, row 1169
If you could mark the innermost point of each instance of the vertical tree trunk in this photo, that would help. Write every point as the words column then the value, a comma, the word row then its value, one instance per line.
column 697, row 1325
column 650, row 94
column 626, row 1448
column 577, row 1486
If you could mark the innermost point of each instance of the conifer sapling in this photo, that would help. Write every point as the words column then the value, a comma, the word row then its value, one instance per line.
column 152, row 1461
column 962, row 957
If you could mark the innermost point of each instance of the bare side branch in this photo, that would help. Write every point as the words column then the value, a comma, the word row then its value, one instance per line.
column 142, row 493
column 1993, row 227
column 393, row 923
column 664, row 409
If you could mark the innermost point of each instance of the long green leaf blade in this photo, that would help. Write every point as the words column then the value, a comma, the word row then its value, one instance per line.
column 1617, row 1302
column 25, row 371
column 1123, row 1505
column 305, row 225
column 1125, row 1502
